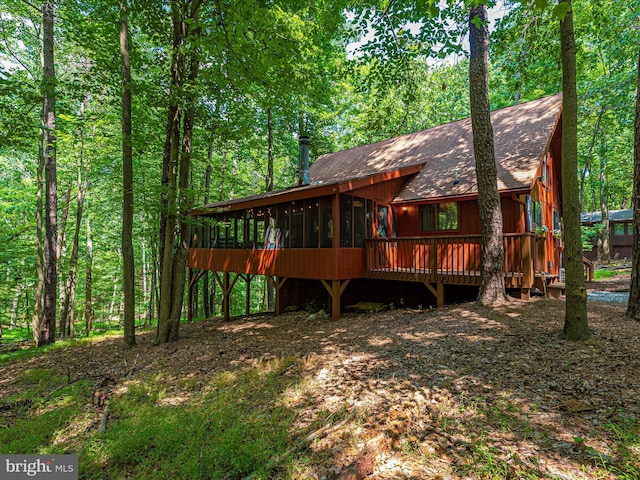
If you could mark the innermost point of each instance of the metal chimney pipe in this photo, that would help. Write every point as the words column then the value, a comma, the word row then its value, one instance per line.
column 303, row 145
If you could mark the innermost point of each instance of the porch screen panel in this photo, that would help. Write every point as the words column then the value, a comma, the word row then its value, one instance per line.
column 259, row 227
column 237, row 232
column 326, row 222
column 369, row 218
column 312, row 227
column 297, row 225
column 346, row 220
column 358, row 222
column 282, row 223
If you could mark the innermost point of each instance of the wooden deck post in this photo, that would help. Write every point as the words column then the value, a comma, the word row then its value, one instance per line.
column 433, row 258
column 528, row 275
column 190, row 297
column 279, row 301
column 438, row 292
column 335, row 291
column 225, row 297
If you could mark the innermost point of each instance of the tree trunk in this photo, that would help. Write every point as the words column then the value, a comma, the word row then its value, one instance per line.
column 223, row 173
column 145, row 272
column 14, row 307
column 60, row 250
column 154, row 284
column 48, row 323
column 633, row 307
column 172, row 281
column 114, row 297
column 271, row 293
column 492, row 288
column 63, row 224
column 575, row 321
column 206, row 237
column 68, row 298
column 604, row 211
column 88, row 302
column 128, row 265
column 37, row 304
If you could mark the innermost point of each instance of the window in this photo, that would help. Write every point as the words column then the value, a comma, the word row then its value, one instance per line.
column 618, row 229
column 556, row 220
column 536, row 214
column 439, row 216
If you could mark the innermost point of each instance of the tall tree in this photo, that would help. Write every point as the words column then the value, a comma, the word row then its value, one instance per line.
column 575, row 320
column 88, row 289
column 47, row 327
column 492, row 289
column 206, row 238
column 128, row 265
column 67, row 311
column 185, row 65
column 633, row 307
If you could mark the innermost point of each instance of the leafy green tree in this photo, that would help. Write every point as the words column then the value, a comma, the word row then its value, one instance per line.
column 128, row 261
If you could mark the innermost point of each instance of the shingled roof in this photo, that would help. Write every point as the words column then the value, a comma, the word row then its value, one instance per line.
column 522, row 135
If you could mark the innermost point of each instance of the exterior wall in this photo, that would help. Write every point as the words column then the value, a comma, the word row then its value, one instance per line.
column 319, row 263
column 408, row 219
column 547, row 189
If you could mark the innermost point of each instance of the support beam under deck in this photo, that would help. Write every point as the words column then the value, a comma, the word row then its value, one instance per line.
column 335, row 290
column 438, row 291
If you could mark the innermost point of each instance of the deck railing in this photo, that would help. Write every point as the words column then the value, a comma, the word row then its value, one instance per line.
column 450, row 259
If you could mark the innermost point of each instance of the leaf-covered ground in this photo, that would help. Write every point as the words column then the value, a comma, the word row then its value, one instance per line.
column 455, row 392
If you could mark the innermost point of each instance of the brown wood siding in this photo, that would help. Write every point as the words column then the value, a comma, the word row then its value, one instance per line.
column 316, row 263
column 382, row 192
column 408, row 218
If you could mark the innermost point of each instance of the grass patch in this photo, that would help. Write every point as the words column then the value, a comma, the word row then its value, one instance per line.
column 30, row 352
column 626, row 432
column 230, row 427
column 604, row 274
column 37, row 417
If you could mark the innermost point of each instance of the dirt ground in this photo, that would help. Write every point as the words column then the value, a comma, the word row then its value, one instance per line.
column 421, row 393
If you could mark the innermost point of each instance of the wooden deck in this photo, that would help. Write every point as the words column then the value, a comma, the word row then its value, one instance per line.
column 433, row 261
column 453, row 260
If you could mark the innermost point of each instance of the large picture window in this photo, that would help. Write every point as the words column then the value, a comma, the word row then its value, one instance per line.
column 439, row 216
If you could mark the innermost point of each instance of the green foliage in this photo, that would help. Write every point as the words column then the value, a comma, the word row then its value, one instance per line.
column 232, row 426
column 626, row 431
column 39, row 422
column 353, row 72
column 589, row 234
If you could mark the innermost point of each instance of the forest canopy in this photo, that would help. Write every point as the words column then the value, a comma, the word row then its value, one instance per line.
column 343, row 73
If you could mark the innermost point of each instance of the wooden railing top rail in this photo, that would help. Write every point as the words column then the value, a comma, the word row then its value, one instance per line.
column 446, row 237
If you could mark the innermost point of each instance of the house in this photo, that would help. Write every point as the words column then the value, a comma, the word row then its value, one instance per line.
column 395, row 221
column 620, row 232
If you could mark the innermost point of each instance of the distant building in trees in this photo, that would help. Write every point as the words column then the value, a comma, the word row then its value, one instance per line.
column 620, row 232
